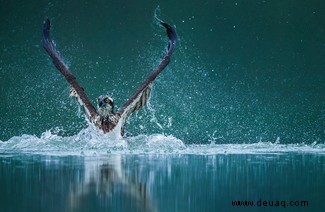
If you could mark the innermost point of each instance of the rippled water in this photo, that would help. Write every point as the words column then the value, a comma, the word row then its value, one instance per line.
column 92, row 171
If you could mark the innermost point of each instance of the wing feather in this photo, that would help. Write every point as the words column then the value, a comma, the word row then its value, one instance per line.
column 142, row 94
column 62, row 67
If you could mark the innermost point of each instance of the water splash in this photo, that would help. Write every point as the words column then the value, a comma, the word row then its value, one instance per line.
column 91, row 142
column 157, row 14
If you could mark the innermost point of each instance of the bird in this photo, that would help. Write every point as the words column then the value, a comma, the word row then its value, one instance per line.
column 104, row 117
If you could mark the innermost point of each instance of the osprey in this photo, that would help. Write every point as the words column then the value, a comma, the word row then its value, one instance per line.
column 105, row 118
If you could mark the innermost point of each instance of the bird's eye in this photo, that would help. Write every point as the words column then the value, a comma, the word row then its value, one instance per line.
column 106, row 100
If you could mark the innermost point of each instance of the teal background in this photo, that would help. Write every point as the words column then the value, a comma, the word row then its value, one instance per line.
column 242, row 71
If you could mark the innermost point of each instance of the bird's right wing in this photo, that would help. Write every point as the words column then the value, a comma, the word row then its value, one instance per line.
column 62, row 67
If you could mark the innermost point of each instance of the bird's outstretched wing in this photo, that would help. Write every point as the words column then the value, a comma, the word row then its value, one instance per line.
column 140, row 97
column 62, row 67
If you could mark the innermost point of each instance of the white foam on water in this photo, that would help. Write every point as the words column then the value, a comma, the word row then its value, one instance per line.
column 91, row 142
column 254, row 148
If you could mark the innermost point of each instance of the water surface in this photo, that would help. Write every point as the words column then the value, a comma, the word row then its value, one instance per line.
column 157, row 173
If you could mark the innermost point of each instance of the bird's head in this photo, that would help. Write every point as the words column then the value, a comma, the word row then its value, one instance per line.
column 105, row 105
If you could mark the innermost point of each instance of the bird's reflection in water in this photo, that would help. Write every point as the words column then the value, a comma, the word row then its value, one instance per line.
column 106, row 186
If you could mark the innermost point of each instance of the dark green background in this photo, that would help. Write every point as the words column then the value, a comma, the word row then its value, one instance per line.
column 243, row 71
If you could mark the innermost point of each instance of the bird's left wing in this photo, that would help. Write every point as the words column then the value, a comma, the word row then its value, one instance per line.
column 62, row 67
column 140, row 97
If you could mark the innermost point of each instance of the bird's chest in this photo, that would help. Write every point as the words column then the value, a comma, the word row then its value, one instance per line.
column 108, row 123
